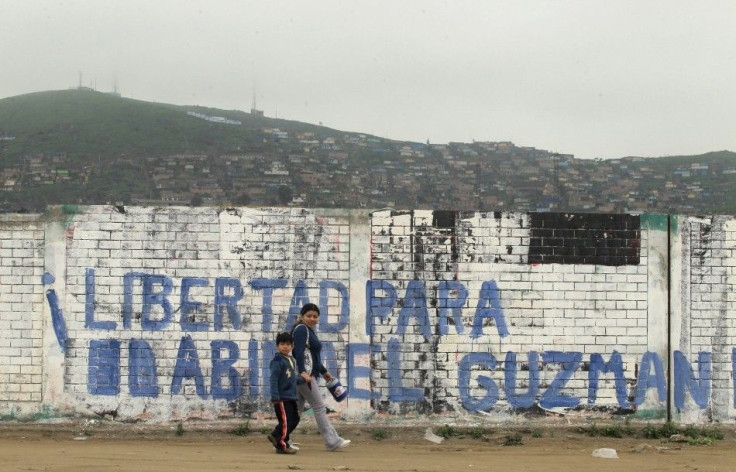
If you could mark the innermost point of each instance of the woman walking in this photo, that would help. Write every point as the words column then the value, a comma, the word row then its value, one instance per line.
column 307, row 350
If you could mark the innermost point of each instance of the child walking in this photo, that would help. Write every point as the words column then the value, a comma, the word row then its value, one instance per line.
column 283, row 394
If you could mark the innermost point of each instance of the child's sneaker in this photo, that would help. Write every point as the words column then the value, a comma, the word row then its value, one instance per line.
column 293, row 445
column 273, row 440
column 288, row 450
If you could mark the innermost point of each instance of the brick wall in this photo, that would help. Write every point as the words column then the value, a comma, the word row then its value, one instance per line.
column 21, row 321
column 533, row 300
column 703, row 330
column 172, row 312
column 168, row 313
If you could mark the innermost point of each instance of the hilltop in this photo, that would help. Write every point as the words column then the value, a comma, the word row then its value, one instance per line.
column 88, row 122
column 87, row 147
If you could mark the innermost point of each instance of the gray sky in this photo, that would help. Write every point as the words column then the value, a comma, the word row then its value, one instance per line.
column 593, row 78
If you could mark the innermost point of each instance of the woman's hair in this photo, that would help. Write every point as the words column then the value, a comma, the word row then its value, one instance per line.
column 309, row 307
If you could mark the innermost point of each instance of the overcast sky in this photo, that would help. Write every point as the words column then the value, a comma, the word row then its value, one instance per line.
column 593, row 78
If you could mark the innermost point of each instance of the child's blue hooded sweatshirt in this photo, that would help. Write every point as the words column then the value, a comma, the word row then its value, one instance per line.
column 283, row 378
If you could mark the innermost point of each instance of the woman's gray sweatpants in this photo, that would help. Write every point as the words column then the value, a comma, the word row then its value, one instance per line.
column 314, row 397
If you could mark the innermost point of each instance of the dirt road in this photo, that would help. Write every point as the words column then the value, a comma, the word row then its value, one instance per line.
column 77, row 447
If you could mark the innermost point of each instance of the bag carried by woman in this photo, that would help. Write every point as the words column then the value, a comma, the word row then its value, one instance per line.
column 308, row 363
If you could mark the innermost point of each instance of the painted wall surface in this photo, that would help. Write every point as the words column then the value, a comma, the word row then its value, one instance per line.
column 21, row 308
column 703, row 318
column 168, row 313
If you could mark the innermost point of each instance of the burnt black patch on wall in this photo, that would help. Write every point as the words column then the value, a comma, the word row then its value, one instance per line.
column 584, row 238
column 443, row 219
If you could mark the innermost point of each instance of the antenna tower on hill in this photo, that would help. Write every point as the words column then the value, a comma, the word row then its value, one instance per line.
column 253, row 110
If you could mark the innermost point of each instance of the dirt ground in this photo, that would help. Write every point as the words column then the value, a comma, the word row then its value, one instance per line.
column 84, row 446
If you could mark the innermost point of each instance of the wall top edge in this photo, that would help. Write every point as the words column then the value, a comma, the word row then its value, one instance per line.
column 69, row 209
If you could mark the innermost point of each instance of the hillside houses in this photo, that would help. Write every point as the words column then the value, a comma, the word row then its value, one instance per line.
column 335, row 169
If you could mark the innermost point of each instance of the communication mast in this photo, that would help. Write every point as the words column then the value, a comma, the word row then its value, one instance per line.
column 254, row 111
column 115, row 91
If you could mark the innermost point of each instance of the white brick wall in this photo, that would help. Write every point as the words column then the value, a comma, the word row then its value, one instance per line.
column 616, row 294
column 704, row 321
column 548, row 307
column 292, row 247
column 21, row 305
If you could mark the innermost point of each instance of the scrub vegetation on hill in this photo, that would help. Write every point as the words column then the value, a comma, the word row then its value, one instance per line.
column 87, row 147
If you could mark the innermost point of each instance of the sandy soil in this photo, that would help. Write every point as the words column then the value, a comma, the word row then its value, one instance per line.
column 200, row 447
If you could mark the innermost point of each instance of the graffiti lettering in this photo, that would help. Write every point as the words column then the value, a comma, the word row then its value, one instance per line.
column 486, row 361
column 151, row 293
column 379, row 306
column 142, row 378
column 225, row 381
column 645, row 381
column 684, row 377
column 156, row 291
column 57, row 316
column 103, row 373
column 614, row 366
column 396, row 391
column 521, row 400
column 569, row 361
column 553, row 396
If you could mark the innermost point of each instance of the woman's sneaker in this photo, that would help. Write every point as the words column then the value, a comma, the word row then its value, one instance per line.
column 343, row 443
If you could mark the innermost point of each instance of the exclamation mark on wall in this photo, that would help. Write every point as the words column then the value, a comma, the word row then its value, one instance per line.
column 57, row 317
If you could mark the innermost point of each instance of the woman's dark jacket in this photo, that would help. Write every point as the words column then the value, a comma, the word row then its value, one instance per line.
column 315, row 347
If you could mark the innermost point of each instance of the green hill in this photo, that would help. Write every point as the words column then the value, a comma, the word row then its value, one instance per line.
column 87, row 147
column 106, row 140
column 89, row 123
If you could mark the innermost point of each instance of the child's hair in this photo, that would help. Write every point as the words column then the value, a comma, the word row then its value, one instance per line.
column 284, row 337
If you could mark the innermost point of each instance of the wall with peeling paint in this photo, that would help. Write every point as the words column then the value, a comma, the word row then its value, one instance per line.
column 169, row 313
column 703, row 317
